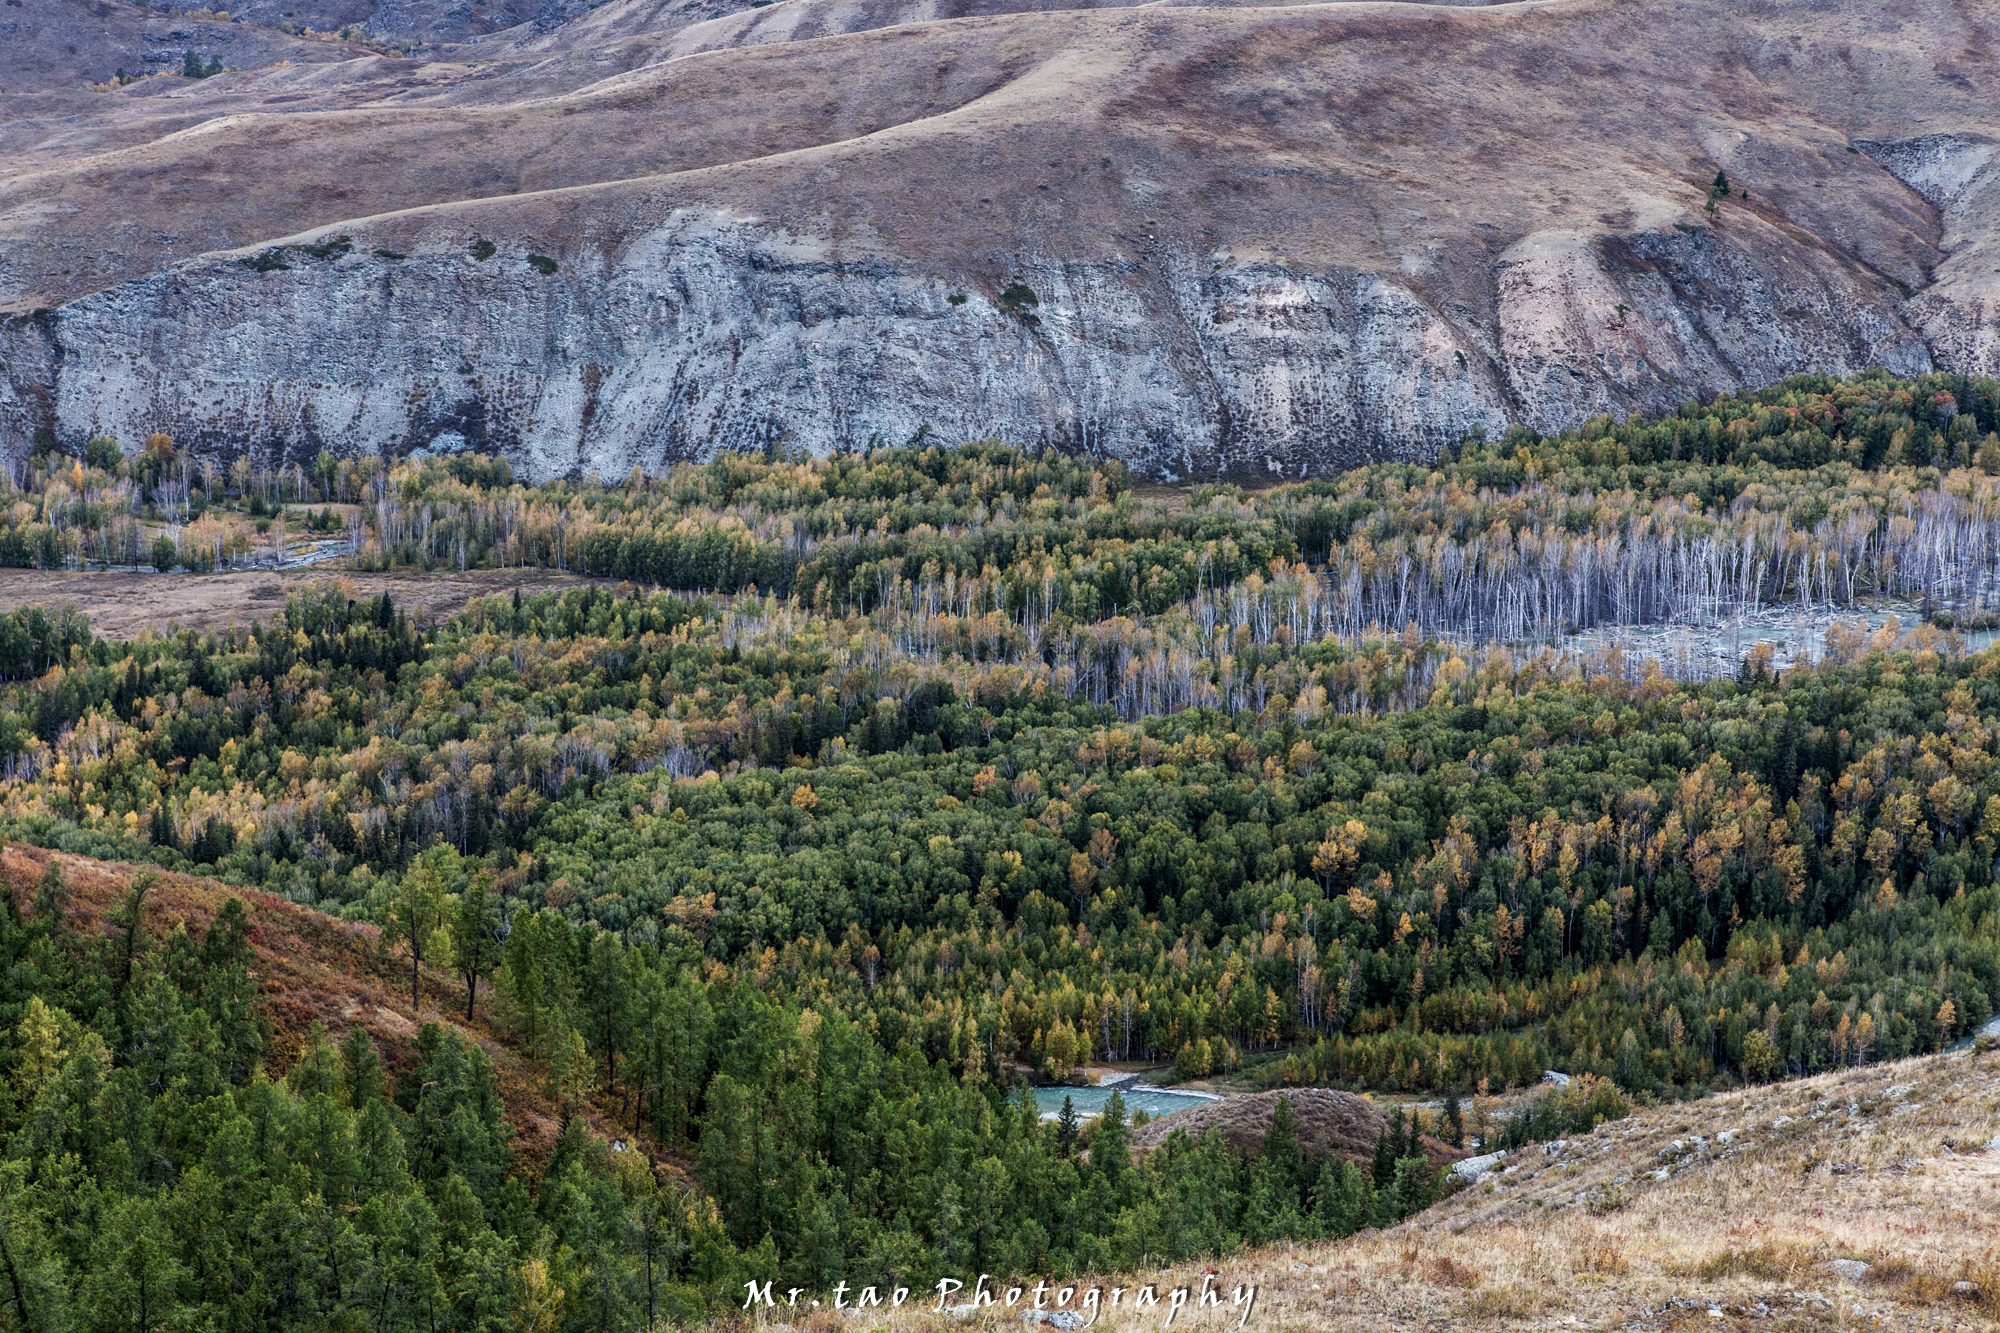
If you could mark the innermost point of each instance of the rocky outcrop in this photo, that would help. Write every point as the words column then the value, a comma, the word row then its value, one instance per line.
column 1958, row 314
column 710, row 332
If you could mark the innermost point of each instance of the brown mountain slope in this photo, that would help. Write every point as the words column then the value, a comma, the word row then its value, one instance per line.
column 1269, row 238
column 1341, row 1123
column 58, row 45
column 1583, row 114
column 313, row 968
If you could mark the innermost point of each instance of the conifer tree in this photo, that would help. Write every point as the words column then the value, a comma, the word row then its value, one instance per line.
column 1388, row 1147
column 318, row 1072
column 417, row 911
column 1281, row 1151
column 472, row 936
column 361, row 1076
column 1111, row 1142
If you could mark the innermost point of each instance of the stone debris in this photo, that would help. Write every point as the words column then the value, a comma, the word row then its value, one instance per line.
column 1674, row 1312
column 1063, row 1319
column 1476, row 1169
column 1848, row 1270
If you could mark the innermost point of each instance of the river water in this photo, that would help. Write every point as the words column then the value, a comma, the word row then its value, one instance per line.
column 1089, row 1102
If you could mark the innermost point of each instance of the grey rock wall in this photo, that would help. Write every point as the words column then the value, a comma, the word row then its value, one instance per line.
column 709, row 332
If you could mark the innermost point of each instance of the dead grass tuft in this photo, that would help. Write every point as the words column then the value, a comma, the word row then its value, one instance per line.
column 1510, row 1302
column 1445, row 1271
column 1972, row 1285
column 1599, row 1255
column 1771, row 1261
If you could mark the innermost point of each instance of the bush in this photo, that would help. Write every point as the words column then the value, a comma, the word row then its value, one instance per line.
column 1586, row 1103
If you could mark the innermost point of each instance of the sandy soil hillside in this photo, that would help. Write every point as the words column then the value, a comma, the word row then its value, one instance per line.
column 1239, row 238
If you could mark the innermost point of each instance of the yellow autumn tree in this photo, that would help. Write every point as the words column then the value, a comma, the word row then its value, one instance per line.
column 41, row 1050
column 1340, row 852
column 540, row 1306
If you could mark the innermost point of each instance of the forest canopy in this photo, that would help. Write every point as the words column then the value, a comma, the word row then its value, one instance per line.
column 860, row 789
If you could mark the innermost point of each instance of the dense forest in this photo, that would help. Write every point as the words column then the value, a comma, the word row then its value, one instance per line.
column 156, row 1177
column 1815, row 493
column 875, row 784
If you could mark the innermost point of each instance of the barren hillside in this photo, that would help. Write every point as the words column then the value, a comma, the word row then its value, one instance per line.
column 1866, row 1199
column 1203, row 237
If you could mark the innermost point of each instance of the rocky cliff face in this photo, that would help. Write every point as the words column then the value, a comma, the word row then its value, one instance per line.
column 711, row 333
column 1958, row 313
column 977, row 251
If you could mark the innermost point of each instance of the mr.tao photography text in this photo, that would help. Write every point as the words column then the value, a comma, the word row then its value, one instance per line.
column 1092, row 1301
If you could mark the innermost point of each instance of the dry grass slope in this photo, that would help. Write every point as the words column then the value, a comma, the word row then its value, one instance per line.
column 311, row 967
column 1720, row 1214
column 1328, row 135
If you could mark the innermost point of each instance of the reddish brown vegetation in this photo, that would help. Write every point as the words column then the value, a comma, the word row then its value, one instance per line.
column 1343, row 1123
column 310, row 967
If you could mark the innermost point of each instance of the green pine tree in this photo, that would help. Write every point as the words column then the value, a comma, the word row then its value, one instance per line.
column 318, row 1070
column 1388, row 1146
column 473, row 936
column 1281, row 1151
column 361, row 1077
column 1067, row 1127
column 1415, row 1187
column 1111, row 1142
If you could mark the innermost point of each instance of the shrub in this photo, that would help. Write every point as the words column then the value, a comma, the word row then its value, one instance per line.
column 1017, row 299
column 332, row 248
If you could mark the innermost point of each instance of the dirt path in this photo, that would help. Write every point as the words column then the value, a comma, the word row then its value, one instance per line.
column 122, row 605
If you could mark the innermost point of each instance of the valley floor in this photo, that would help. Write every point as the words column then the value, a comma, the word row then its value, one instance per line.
column 121, row 604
